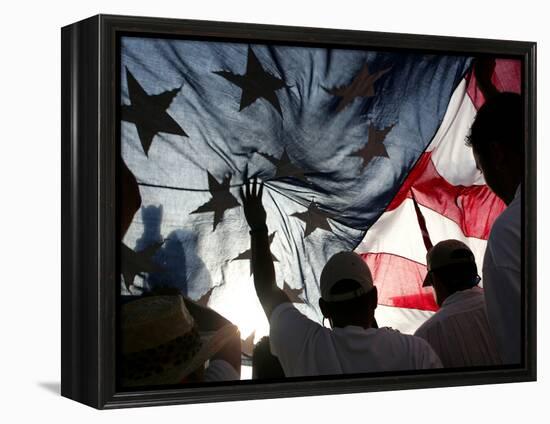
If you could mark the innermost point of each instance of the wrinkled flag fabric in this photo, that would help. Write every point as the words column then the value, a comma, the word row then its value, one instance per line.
column 335, row 134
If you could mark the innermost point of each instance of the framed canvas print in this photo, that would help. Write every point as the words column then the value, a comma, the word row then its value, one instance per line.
column 254, row 211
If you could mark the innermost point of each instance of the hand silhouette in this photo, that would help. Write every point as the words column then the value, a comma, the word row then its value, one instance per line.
column 251, row 198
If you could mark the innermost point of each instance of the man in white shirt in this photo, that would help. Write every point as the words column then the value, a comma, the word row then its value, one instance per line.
column 496, row 138
column 459, row 332
column 348, row 300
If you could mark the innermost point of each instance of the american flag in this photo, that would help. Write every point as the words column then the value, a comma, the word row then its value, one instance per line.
column 343, row 140
column 452, row 198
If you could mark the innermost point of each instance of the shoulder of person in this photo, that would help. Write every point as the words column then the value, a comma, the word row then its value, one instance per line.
column 286, row 315
column 428, row 324
column 220, row 370
column 412, row 345
column 392, row 333
column 282, row 308
column 390, row 329
column 409, row 339
column 507, row 223
column 504, row 244
column 420, row 345
column 385, row 333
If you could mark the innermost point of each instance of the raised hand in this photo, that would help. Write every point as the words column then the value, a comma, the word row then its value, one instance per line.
column 262, row 264
column 251, row 198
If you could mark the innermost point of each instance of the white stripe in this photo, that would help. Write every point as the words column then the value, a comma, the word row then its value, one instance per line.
column 397, row 232
column 453, row 160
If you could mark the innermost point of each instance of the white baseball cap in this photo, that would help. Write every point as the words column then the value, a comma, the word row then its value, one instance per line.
column 345, row 266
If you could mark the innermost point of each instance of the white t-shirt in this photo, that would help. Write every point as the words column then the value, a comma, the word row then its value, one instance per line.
column 220, row 370
column 459, row 332
column 305, row 348
column 502, row 281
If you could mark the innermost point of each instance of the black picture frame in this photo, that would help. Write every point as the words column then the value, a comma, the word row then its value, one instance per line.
column 89, row 209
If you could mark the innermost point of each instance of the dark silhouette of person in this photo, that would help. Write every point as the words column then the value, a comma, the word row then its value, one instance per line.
column 459, row 331
column 497, row 141
column 162, row 344
column 348, row 299
column 207, row 321
column 265, row 365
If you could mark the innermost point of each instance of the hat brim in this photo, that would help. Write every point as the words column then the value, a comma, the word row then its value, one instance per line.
column 211, row 344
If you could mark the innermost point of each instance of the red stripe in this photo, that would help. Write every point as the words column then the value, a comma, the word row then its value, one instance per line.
column 399, row 281
column 473, row 208
column 506, row 77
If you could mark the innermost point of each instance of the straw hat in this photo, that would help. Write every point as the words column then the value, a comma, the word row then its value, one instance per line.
column 161, row 343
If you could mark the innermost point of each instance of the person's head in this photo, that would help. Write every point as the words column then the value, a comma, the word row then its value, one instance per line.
column 496, row 138
column 348, row 295
column 161, row 344
column 264, row 363
column 451, row 268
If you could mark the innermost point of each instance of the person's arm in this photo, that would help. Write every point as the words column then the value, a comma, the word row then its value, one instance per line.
column 269, row 294
column 209, row 320
column 502, row 287
column 231, row 352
